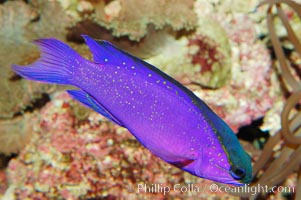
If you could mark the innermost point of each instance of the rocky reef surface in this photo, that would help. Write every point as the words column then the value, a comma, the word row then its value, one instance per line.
column 62, row 150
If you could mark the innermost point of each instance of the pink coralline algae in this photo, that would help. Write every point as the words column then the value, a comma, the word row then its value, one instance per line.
column 253, row 88
column 210, row 50
column 69, row 158
column 254, row 84
column 206, row 55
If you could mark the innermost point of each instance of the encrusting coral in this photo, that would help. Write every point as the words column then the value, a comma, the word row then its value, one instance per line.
column 20, row 23
column 131, row 18
column 118, row 15
column 276, row 164
column 15, row 133
column 69, row 158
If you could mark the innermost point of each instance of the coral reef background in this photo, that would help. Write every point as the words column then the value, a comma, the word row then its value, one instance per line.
column 54, row 148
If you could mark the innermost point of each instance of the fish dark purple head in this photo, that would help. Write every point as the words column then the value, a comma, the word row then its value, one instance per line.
column 166, row 117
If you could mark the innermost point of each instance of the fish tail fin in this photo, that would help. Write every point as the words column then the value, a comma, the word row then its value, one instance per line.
column 55, row 64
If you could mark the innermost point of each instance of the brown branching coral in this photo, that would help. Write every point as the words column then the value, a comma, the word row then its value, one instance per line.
column 281, row 154
column 21, row 23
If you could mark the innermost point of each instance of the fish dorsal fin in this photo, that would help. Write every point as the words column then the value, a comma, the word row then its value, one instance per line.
column 104, row 52
column 90, row 102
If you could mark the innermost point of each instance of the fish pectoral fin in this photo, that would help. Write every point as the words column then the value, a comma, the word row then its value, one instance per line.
column 182, row 163
column 90, row 102
column 177, row 160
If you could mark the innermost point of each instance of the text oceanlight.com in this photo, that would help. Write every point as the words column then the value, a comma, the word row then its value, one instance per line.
column 193, row 188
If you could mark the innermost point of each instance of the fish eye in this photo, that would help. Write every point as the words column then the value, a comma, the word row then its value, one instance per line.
column 237, row 172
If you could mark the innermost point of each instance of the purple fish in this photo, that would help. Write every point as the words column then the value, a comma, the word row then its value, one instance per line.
column 164, row 116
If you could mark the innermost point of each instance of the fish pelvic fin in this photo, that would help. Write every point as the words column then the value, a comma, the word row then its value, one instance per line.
column 55, row 64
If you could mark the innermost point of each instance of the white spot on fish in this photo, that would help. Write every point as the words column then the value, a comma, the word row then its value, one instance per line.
column 123, row 63
column 149, row 75
column 106, row 60
column 164, row 82
column 133, row 67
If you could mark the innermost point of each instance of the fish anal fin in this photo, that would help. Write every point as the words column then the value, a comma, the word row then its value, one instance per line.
column 92, row 103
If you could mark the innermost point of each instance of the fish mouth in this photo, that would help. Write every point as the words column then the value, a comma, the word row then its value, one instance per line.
column 229, row 179
column 230, row 182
